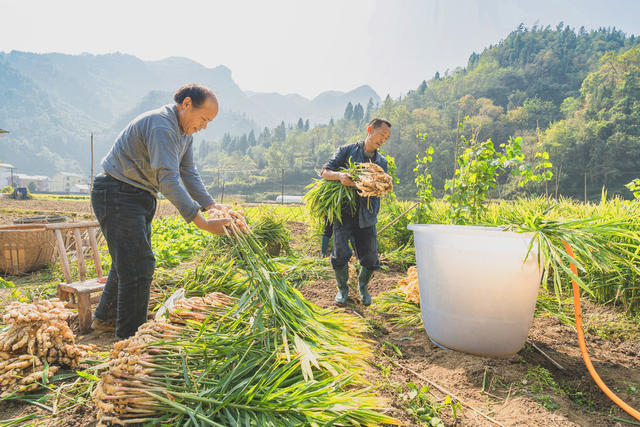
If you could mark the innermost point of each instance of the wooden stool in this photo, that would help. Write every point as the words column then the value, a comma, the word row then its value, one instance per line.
column 78, row 294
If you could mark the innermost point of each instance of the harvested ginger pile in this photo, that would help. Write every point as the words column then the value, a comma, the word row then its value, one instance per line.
column 372, row 181
column 409, row 286
column 140, row 363
column 37, row 333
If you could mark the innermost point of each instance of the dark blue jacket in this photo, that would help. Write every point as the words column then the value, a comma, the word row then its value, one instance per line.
column 368, row 207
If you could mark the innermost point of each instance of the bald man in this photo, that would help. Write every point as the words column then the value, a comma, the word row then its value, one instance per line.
column 152, row 155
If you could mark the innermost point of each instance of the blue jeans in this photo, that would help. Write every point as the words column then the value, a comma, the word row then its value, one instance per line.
column 125, row 213
column 365, row 239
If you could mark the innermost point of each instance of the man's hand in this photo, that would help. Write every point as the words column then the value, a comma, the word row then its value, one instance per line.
column 213, row 226
column 343, row 177
column 346, row 180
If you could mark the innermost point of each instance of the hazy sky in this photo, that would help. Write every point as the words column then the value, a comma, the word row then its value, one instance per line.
column 298, row 46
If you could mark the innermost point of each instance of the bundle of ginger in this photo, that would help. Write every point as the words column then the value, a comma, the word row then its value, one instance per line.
column 409, row 286
column 138, row 364
column 238, row 221
column 37, row 333
column 372, row 181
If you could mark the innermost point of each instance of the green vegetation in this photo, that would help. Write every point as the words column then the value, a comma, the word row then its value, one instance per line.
column 326, row 199
column 424, row 409
column 270, row 231
column 574, row 94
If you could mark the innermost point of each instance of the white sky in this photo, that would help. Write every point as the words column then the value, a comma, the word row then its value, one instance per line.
column 298, row 46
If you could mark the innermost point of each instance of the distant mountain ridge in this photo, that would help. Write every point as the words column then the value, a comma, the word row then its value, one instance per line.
column 52, row 102
column 318, row 110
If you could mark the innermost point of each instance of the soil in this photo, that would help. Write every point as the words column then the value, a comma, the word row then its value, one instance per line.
column 512, row 394
column 516, row 391
column 74, row 210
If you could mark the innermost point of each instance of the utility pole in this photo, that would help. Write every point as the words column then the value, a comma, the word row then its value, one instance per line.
column 585, row 187
column 91, row 187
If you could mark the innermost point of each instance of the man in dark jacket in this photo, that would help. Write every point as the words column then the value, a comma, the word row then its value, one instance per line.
column 361, row 226
column 152, row 154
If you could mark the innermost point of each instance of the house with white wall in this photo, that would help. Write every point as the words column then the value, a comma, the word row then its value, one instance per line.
column 67, row 182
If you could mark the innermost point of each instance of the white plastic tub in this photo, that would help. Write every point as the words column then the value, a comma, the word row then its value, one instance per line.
column 477, row 293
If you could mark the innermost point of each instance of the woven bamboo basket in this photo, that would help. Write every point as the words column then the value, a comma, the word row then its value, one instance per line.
column 25, row 248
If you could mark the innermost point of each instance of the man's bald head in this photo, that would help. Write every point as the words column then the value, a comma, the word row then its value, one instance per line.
column 197, row 93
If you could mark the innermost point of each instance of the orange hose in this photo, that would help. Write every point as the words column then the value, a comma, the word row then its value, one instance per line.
column 583, row 347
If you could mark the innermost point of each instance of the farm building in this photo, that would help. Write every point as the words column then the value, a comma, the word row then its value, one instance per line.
column 66, row 182
column 40, row 182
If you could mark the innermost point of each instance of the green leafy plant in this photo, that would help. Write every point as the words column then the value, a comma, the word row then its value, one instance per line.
column 423, row 178
column 6, row 283
column 424, row 408
column 271, row 232
column 479, row 168
column 601, row 245
column 397, row 309
column 634, row 187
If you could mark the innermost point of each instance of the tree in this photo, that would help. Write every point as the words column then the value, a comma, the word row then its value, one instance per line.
column 280, row 132
column 243, row 144
column 300, row 124
column 226, row 143
column 358, row 113
column 251, row 139
column 348, row 112
column 368, row 114
column 423, row 87
column 265, row 137
column 306, row 125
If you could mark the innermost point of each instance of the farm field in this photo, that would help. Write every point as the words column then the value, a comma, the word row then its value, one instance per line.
column 418, row 382
column 76, row 208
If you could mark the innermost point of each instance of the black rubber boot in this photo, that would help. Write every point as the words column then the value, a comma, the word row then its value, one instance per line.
column 342, row 279
column 363, row 285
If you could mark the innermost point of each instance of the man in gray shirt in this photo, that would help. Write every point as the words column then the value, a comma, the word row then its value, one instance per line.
column 152, row 154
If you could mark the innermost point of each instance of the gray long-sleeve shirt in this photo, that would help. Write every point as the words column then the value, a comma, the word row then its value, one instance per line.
column 153, row 153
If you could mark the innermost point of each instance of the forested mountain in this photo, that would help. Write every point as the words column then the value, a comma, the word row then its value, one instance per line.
column 51, row 103
column 574, row 94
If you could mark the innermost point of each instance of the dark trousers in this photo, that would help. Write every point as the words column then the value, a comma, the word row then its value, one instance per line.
column 365, row 239
column 328, row 229
column 125, row 213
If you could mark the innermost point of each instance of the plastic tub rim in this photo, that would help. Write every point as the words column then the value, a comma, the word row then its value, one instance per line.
column 499, row 231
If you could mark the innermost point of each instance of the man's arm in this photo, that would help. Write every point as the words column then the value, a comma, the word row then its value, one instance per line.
column 337, row 161
column 163, row 156
column 343, row 177
column 193, row 182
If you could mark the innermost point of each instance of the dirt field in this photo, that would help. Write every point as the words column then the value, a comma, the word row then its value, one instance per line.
column 74, row 210
column 522, row 390
column 515, row 388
